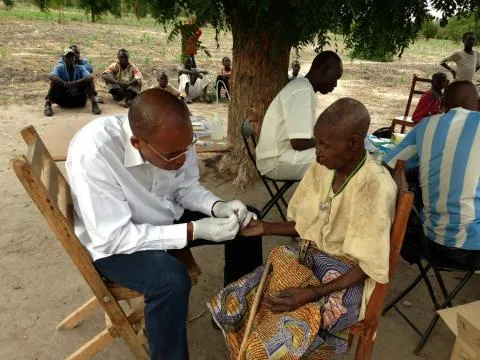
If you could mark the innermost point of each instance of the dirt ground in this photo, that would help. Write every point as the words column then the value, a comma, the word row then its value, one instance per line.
column 39, row 285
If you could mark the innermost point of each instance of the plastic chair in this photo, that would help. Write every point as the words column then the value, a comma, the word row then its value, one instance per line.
column 223, row 88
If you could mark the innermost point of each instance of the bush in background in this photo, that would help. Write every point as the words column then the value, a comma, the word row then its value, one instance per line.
column 9, row 3
column 430, row 29
column 459, row 25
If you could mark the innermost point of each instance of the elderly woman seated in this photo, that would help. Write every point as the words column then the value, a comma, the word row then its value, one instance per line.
column 342, row 211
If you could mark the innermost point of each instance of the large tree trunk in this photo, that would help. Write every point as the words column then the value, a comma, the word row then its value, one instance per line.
column 94, row 19
column 257, row 77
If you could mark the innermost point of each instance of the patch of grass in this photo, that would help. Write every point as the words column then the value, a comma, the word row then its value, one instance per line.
column 4, row 52
column 30, row 12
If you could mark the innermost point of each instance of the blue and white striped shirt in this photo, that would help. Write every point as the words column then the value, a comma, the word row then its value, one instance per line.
column 446, row 148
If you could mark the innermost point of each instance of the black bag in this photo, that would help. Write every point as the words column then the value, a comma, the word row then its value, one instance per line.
column 383, row 133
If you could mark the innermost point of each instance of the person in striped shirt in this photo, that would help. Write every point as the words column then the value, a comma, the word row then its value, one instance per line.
column 445, row 148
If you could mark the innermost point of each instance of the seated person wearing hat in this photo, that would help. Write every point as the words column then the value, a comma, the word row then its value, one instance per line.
column 70, row 85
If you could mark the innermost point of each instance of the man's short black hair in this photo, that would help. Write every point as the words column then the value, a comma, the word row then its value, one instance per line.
column 466, row 34
column 73, row 47
column 439, row 75
column 122, row 50
column 326, row 57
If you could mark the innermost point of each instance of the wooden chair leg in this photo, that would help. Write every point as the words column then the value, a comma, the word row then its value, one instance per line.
column 364, row 348
column 76, row 317
column 350, row 342
column 90, row 348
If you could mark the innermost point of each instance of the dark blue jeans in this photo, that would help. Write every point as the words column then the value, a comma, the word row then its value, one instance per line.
column 165, row 283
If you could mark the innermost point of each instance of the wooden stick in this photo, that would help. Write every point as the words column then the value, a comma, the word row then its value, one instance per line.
column 253, row 311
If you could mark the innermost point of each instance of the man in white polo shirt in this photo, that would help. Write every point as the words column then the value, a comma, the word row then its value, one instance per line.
column 286, row 147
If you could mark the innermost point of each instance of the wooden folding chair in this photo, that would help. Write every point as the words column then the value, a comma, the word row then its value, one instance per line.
column 50, row 191
column 367, row 328
column 406, row 120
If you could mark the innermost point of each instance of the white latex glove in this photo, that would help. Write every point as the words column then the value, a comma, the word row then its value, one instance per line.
column 226, row 209
column 216, row 229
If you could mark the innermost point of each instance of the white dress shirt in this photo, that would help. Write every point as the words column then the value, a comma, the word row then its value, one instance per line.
column 291, row 115
column 122, row 203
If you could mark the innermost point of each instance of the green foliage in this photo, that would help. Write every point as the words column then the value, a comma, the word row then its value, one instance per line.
column 139, row 8
column 430, row 29
column 9, row 3
column 375, row 29
column 380, row 30
column 459, row 25
column 448, row 8
column 97, row 8
column 42, row 4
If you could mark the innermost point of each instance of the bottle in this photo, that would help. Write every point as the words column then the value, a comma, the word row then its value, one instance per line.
column 217, row 128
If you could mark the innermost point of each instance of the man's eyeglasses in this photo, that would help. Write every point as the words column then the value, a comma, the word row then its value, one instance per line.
column 175, row 156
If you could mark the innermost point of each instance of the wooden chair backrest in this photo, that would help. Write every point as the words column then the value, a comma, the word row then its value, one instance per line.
column 399, row 226
column 405, row 121
column 415, row 91
column 50, row 191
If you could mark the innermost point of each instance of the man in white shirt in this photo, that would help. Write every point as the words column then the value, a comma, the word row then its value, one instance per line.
column 136, row 195
column 285, row 148
column 467, row 61
column 294, row 72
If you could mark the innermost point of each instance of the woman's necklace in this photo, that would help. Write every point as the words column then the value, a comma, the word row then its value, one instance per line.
column 325, row 205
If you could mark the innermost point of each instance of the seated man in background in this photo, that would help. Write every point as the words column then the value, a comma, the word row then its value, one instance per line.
column 342, row 211
column 123, row 79
column 430, row 102
column 70, row 85
column 193, row 82
column 295, row 71
column 285, row 147
column 78, row 59
column 163, row 84
column 445, row 148
column 82, row 61
column 136, row 194
column 224, row 76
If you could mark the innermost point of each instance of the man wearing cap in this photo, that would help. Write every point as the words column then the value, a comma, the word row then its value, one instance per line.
column 70, row 85
column 78, row 59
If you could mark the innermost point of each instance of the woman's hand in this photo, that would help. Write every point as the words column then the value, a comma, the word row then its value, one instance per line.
column 254, row 228
column 289, row 299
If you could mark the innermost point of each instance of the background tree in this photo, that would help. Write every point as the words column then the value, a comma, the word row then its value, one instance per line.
column 98, row 7
column 430, row 29
column 45, row 5
column 264, row 32
column 138, row 7
column 9, row 4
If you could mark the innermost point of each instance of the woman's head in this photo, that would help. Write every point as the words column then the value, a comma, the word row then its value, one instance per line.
column 340, row 132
